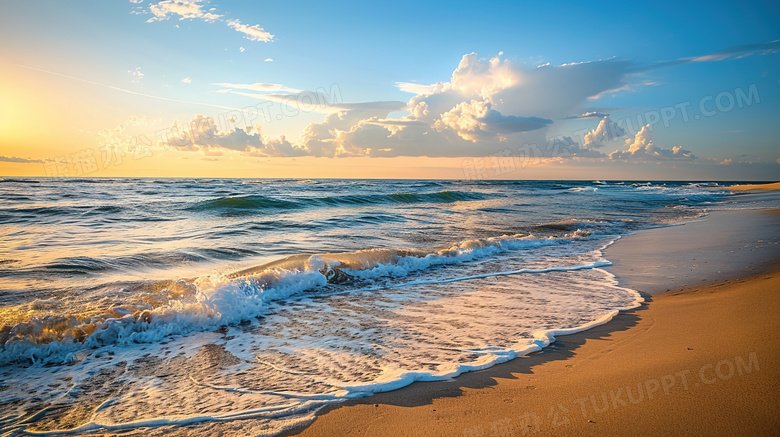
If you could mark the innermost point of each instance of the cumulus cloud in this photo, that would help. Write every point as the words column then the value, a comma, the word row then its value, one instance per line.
column 477, row 120
column 641, row 147
column 124, row 137
column 186, row 80
column 485, row 106
column 202, row 134
column 606, row 131
column 331, row 136
column 566, row 147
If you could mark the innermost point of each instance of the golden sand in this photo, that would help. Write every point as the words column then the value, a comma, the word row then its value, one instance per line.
column 773, row 186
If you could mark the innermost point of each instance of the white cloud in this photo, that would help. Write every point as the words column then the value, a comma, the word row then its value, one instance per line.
column 641, row 147
column 478, row 121
column 194, row 9
column 592, row 114
column 268, row 60
column 202, row 134
column 252, row 33
column 136, row 74
column 487, row 105
column 416, row 88
column 122, row 136
column 548, row 92
column 241, row 49
column 726, row 161
column 186, row 80
column 185, row 9
column 606, row 131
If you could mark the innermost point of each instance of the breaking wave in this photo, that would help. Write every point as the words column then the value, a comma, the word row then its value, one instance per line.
column 154, row 312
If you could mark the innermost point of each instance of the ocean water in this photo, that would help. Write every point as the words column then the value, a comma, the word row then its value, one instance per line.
column 194, row 306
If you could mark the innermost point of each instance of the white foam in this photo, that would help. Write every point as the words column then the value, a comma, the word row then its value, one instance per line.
column 216, row 300
column 326, row 354
column 394, row 379
column 581, row 189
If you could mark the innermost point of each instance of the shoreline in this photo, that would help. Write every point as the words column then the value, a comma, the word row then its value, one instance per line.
column 537, row 392
column 699, row 252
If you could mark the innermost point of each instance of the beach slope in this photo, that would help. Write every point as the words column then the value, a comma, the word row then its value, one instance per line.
column 703, row 362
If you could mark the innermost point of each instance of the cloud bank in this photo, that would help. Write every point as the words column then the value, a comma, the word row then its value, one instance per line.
column 19, row 160
column 486, row 106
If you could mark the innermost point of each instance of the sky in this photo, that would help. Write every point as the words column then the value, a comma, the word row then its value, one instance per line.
column 456, row 90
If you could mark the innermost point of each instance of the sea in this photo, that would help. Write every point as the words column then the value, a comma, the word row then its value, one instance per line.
column 242, row 306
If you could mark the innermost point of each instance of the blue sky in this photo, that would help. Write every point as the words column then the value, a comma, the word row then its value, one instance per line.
column 512, row 75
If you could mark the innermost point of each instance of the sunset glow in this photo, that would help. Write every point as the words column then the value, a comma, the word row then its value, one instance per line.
column 186, row 88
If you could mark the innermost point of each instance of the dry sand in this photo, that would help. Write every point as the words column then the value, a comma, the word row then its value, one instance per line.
column 773, row 186
column 703, row 361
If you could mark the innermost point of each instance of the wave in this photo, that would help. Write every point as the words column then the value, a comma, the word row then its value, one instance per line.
column 84, row 265
column 156, row 311
column 19, row 181
column 245, row 202
column 694, row 190
column 580, row 189
column 295, row 406
column 257, row 202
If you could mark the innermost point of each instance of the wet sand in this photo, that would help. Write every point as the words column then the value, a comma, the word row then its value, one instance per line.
column 700, row 360
column 721, row 246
